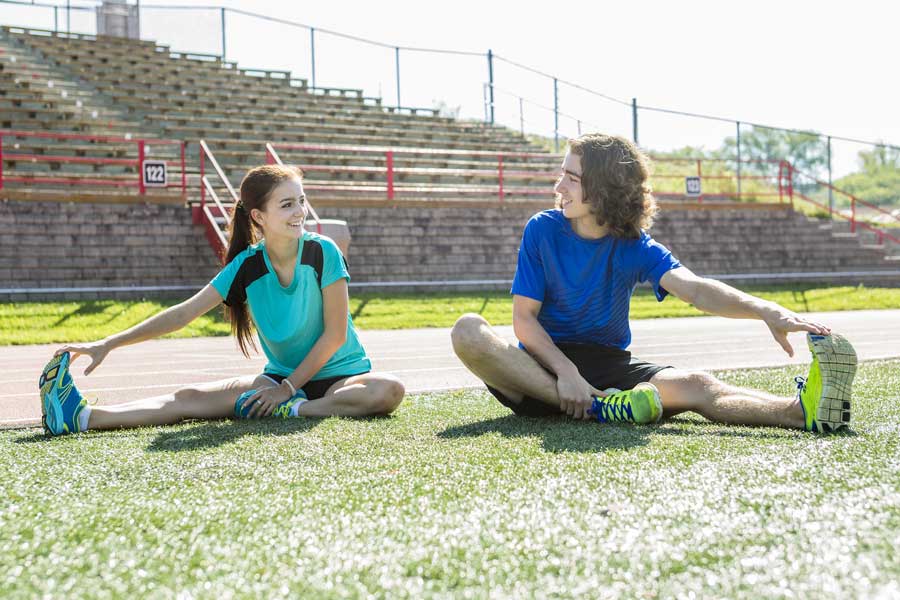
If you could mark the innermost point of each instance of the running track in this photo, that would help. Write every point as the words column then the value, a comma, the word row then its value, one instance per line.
column 423, row 358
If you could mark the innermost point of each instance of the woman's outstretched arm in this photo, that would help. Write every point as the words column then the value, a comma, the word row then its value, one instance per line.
column 167, row 321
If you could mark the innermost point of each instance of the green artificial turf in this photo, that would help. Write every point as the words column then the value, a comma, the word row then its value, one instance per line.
column 56, row 322
column 453, row 496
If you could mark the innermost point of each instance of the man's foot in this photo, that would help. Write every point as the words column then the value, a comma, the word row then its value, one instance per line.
column 284, row 410
column 61, row 403
column 640, row 405
column 825, row 393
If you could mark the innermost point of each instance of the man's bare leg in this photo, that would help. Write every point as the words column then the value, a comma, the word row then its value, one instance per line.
column 499, row 364
column 702, row 393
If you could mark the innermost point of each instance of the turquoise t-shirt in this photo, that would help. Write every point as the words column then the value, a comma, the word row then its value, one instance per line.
column 289, row 320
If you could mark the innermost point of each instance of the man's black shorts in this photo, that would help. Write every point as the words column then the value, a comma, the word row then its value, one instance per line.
column 601, row 366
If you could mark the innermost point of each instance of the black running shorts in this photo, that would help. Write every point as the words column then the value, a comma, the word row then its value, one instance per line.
column 314, row 389
column 601, row 366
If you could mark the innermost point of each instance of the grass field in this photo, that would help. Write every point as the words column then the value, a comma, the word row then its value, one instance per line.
column 53, row 322
column 454, row 496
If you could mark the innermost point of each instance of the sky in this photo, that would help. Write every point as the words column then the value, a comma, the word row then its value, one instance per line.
column 827, row 66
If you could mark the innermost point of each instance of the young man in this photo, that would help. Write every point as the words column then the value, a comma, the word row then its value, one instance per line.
column 578, row 265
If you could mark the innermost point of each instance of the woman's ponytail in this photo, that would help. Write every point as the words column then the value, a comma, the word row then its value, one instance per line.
column 255, row 189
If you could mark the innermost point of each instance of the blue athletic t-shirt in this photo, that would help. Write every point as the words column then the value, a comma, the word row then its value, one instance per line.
column 585, row 286
column 289, row 320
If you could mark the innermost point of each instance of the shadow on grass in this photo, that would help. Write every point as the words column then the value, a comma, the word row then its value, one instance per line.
column 83, row 310
column 211, row 434
column 557, row 434
column 561, row 435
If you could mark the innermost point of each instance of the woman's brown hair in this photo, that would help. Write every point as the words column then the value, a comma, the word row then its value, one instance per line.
column 256, row 186
column 614, row 177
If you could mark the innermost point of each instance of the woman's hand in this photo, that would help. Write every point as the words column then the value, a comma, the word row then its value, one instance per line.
column 96, row 350
column 265, row 401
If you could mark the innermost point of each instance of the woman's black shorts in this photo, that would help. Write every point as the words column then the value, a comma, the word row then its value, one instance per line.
column 314, row 389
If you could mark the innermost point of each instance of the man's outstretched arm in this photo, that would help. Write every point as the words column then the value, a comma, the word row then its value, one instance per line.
column 717, row 298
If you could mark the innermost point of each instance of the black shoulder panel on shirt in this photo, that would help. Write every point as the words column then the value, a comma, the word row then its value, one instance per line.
column 253, row 268
column 313, row 256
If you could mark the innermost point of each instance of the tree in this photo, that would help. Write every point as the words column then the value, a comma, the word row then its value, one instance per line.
column 806, row 150
column 880, row 157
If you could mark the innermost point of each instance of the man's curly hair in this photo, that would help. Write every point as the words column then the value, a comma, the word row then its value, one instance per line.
column 614, row 180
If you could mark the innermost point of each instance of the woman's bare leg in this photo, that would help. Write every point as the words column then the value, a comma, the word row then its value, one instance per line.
column 357, row 396
column 203, row 401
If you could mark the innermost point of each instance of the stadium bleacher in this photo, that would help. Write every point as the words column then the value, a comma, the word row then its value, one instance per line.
column 442, row 221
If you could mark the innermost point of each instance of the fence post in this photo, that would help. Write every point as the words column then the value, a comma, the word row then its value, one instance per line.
column 140, row 169
column 183, row 172
column 781, row 182
column 521, row 116
column 739, row 159
column 555, row 115
column 852, row 214
column 389, row 156
column 312, row 53
column 55, row 19
column 500, row 175
column 490, row 57
column 68, row 16
column 222, row 15
column 397, row 65
column 700, row 175
column 830, row 189
column 634, row 120
column 791, row 184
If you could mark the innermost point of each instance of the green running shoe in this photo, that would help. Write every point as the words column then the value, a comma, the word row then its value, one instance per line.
column 61, row 403
column 640, row 405
column 825, row 393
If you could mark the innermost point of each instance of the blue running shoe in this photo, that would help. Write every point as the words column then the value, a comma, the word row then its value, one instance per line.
column 61, row 403
column 283, row 410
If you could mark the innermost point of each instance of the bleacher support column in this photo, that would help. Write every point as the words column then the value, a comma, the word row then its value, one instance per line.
column 634, row 121
column 490, row 57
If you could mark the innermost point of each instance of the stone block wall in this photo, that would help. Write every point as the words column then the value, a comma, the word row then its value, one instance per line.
column 67, row 245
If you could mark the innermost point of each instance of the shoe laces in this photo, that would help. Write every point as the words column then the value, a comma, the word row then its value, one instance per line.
column 615, row 407
column 801, row 384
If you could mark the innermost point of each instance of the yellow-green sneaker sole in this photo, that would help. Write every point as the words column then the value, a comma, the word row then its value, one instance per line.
column 837, row 365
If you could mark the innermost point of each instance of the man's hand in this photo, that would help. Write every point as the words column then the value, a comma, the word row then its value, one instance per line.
column 781, row 322
column 575, row 396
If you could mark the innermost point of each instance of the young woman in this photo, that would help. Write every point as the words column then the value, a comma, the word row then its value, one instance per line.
column 292, row 285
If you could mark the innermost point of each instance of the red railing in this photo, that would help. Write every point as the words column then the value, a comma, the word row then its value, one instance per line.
column 800, row 181
column 772, row 184
column 138, row 182
column 392, row 187
column 209, row 215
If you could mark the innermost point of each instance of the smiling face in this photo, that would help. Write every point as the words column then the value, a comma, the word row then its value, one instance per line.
column 571, row 193
column 285, row 210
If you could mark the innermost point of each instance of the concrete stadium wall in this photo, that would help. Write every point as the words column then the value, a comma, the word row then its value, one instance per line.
column 66, row 245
